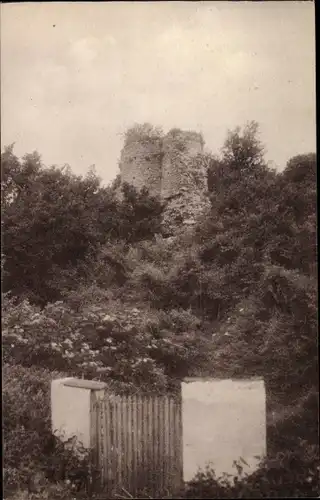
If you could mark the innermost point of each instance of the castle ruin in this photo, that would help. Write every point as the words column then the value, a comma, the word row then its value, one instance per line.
column 171, row 167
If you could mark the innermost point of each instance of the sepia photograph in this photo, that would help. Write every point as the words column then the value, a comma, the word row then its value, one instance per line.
column 159, row 275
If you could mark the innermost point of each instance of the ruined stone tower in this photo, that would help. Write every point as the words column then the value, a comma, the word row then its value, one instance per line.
column 179, row 148
column 140, row 162
column 170, row 167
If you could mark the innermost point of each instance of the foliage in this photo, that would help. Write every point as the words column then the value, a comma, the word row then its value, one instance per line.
column 289, row 474
column 140, row 215
column 302, row 168
column 54, row 223
column 135, row 347
column 255, row 267
column 244, row 151
column 144, row 132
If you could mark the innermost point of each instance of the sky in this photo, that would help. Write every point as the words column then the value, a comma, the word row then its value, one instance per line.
column 75, row 76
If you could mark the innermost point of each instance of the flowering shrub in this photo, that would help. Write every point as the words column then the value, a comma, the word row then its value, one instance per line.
column 131, row 346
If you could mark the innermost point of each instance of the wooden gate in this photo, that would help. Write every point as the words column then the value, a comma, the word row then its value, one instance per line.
column 138, row 444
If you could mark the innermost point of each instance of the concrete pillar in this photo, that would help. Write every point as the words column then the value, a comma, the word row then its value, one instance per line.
column 72, row 413
column 222, row 421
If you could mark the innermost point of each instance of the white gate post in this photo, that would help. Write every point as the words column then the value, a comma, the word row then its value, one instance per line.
column 222, row 421
column 71, row 408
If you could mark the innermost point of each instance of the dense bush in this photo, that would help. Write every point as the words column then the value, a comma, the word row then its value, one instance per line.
column 136, row 348
column 54, row 223
column 288, row 474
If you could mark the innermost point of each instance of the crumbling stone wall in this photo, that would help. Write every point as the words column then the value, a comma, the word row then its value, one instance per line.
column 184, row 180
column 183, row 210
column 171, row 167
column 179, row 148
column 140, row 164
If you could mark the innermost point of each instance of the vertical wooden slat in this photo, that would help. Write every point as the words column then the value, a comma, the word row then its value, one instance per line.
column 139, row 436
column 141, row 429
column 116, row 428
column 123, row 455
column 179, row 443
column 94, row 431
column 114, row 439
column 163, row 442
column 124, row 442
column 107, row 442
column 100, row 438
column 135, row 441
column 113, row 432
column 149, row 441
column 134, row 444
column 129, row 441
column 93, row 422
column 162, row 451
column 167, row 471
column 161, row 447
column 155, row 441
column 110, row 461
column 124, row 438
column 99, row 443
column 171, row 441
column 147, row 447
column 141, row 443
column 102, row 452
column 119, row 454
column 129, row 438
column 145, row 442
column 150, row 457
column 154, row 449
column 119, row 442
column 172, row 445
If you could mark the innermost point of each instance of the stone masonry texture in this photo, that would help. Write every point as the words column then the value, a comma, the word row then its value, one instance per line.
column 172, row 168
column 140, row 165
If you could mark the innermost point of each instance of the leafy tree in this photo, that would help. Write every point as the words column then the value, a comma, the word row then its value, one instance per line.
column 140, row 215
column 51, row 219
column 54, row 221
column 244, row 151
column 301, row 168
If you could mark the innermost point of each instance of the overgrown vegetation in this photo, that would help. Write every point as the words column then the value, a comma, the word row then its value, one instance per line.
column 34, row 459
column 92, row 288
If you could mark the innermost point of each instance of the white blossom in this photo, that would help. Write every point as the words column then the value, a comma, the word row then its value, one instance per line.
column 106, row 318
